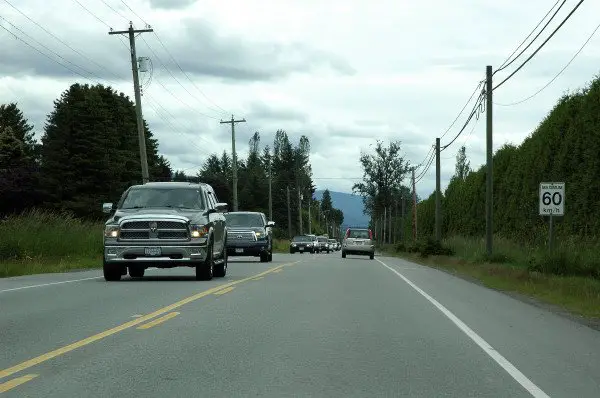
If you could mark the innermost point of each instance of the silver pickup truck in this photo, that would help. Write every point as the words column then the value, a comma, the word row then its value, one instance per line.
column 165, row 225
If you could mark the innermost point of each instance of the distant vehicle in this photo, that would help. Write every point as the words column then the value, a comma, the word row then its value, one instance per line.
column 315, row 242
column 323, row 244
column 358, row 241
column 332, row 244
column 249, row 234
column 301, row 244
column 165, row 225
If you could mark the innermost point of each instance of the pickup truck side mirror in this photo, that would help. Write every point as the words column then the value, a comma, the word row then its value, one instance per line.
column 270, row 223
column 221, row 207
column 107, row 207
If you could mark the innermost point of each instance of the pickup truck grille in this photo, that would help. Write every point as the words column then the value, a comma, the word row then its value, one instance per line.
column 153, row 230
column 241, row 236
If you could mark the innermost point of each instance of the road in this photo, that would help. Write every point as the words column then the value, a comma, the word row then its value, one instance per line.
column 304, row 325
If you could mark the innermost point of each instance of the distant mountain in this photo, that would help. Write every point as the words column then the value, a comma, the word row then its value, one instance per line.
column 351, row 205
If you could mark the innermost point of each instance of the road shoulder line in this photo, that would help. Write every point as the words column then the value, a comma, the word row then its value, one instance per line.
column 515, row 373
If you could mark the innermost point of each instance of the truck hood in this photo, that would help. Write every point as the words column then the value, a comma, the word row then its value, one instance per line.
column 188, row 215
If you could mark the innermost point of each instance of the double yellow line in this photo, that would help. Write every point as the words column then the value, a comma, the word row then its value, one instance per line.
column 81, row 343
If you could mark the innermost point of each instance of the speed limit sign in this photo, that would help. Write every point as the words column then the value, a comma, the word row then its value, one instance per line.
column 552, row 199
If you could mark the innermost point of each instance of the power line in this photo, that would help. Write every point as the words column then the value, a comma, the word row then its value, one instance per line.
column 478, row 108
column 420, row 177
column 46, row 55
column 541, row 46
column 183, row 102
column 463, row 108
column 62, row 41
column 557, row 75
column 101, row 21
column 505, row 64
column 424, row 159
column 177, row 63
column 117, row 12
column 167, row 69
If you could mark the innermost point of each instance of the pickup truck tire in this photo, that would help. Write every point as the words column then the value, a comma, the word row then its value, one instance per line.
column 372, row 256
column 111, row 273
column 136, row 272
column 271, row 255
column 264, row 257
column 205, row 270
column 343, row 254
column 221, row 269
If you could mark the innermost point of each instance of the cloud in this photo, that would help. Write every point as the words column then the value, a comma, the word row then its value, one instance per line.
column 171, row 4
column 342, row 75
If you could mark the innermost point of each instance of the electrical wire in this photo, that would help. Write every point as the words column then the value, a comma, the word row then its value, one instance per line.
column 477, row 109
column 183, row 102
column 505, row 64
column 420, row 177
column 168, row 70
column 557, row 75
column 117, row 12
column 541, row 46
column 177, row 63
column 51, row 51
column 101, row 21
column 62, row 41
column 425, row 159
column 464, row 107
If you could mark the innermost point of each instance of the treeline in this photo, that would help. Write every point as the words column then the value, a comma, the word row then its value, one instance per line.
column 89, row 154
column 565, row 147
column 288, row 167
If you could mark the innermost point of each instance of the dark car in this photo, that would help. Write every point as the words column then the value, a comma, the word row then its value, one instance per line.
column 249, row 234
column 302, row 243
column 165, row 225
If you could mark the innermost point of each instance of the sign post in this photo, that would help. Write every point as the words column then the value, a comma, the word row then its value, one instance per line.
column 552, row 203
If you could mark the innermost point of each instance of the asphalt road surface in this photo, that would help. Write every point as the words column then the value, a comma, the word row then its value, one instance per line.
column 304, row 325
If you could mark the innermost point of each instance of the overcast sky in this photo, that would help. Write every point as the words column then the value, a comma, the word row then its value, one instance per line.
column 344, row 73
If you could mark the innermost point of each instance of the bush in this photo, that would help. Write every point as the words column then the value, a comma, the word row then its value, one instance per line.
column 428, row 247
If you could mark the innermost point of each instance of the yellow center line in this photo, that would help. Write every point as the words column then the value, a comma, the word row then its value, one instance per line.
column 88, row 340
column 223, row 291
column 257, row 278
column 277, row 271
column 4, row 387
column 158, row 321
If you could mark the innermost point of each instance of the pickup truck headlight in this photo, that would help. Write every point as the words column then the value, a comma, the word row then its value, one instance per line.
column 260, row 235
column 111, row 231
column 198, row 231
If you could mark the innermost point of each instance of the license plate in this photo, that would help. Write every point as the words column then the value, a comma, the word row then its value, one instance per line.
column 301, row 249
column 152, row 251
column 239, row 250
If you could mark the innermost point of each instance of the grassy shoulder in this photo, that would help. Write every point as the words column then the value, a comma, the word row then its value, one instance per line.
column 566, row 278
column 40, row 242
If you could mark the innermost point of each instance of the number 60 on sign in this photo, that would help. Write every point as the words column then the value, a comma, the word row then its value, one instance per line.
column 552, row 199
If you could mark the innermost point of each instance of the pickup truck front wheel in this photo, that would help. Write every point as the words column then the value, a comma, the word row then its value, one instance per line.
column 205, row 270
column 136, row 272
column 111, row 272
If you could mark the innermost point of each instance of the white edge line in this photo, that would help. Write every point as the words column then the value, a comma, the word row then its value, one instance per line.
column 515, row 373
column 48, row 284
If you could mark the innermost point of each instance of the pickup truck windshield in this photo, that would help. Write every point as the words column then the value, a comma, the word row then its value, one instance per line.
column 302, row 238
column 184, row 198
column 244, row 220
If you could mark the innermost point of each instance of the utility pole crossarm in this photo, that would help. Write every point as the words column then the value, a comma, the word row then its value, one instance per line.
column 126, row 32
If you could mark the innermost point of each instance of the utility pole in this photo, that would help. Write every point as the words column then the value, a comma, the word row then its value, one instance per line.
column 289, row 208
column 309, row 216
column 390, row 227
column 234, row 156
column 489, row 197
column 438, row 193
column 414, row 206
column 384, row 224
column 138, row 97
column 299, row 211
column 270, row 193
column 403, row 212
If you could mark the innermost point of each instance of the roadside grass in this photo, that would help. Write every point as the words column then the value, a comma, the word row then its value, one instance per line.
column 39, row 242
column 281, row 246
column 568, row 277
